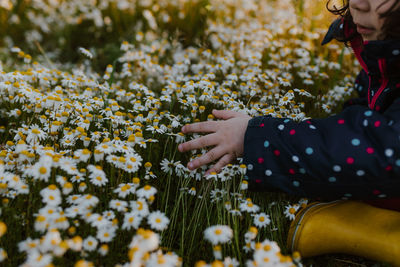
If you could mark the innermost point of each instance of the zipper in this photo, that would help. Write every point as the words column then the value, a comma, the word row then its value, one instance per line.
column 385, row 81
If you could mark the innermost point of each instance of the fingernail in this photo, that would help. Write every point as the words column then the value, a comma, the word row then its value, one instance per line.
column 183, row 129
column 180, row 147
column 190, row 165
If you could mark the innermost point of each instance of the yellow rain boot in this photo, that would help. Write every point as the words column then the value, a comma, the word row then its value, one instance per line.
column 348, row 227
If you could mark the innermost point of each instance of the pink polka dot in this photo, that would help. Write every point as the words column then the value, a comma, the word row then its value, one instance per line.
column 370, row 150
column 260, row 160
column 292, row 132
column 309, row 122
column 389, row 168
column 350, row 160
column 341, row 121
column 291, row 171
column 277, row 152
column 376, row 192
column 398, row 85
column 377, row 124
column 378, row 108
column 258, row 181
column 262, row 125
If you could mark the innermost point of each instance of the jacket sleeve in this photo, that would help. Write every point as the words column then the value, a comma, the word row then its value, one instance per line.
column 352, row 155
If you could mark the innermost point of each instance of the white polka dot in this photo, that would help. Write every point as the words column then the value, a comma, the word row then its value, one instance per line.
column 360, row 173
column 295, row 158
column 309, row 150
column 396, row 52
column 337, row 168
column 332, row 179
column 365, row 123
column 281, row 127
column 249, row 167
column 268, row 172
column 398, row 162
column 382, row 195
column 301, row 170
column 389, row 152
column 355, row 142
column 312, row 127
column 348, row 195
column 341, row 26
column 368, row 113
column 296, row 183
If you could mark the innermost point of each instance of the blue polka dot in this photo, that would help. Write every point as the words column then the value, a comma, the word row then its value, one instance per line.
column 309, row 150
column 332, row 179
column 296, row 183
column 302, row 171
column 398, row 162
column 286, row 121
column 368, row 113
column 355, row 142
column 266, row 144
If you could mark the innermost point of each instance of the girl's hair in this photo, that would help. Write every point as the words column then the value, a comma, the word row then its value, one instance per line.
column 390, row 28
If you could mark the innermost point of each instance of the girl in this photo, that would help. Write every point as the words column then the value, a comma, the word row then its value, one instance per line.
column 352, row 155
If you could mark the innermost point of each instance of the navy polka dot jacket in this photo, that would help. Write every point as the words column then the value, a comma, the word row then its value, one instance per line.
column 351, row 155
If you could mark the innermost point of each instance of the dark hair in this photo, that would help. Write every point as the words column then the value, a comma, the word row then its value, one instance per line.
column 390, row 28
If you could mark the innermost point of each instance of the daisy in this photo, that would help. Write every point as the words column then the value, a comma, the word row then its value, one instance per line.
column 261, row 220
column 249, row 206
column 147, row 191
column 51, row 195
column 42, row 169
column 131, row 220
column 106, row 234
column 35, row 134
column 124, row 190
column 218, row 234
column 290, row 211
column 167, row 166
column 85, row 52
column 158, row 221
column 140, row 206
column 90, row 243
column 103, row 250
column 251, row 234
column 118, row 205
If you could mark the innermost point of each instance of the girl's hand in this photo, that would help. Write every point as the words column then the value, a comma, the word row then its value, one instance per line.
column 227, row 136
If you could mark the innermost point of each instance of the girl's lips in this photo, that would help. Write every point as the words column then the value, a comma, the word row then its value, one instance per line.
column 364, row 30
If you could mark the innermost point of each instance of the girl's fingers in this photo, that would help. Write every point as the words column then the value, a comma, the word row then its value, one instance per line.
column 210, row 156
column 224, row 114
column 200, row 127
column 225, row 160
column 204, row 141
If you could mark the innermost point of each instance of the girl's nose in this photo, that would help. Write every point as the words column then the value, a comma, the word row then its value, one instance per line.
column 360, row 5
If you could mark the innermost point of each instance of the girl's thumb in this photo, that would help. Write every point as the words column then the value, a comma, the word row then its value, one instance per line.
column 224, row 114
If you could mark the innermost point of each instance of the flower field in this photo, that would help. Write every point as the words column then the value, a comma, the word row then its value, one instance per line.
column 93, row 95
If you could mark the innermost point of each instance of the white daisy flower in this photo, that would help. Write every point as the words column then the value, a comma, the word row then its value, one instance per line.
column 147, row 191
column 261, row 220
column 290, row 211
column 90, row 243
column 218, row 234
column 157, row 220
column 131, row 220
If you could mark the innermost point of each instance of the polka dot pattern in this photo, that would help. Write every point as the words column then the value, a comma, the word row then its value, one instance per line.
column 328, row 157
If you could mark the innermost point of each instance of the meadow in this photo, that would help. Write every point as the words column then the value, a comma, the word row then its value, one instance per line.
column 93, row 95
